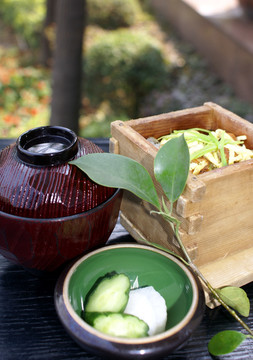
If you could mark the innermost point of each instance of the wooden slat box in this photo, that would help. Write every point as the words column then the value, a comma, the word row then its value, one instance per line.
column 216, row 207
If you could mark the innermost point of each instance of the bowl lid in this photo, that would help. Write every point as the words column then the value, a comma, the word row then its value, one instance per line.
column 36, row 180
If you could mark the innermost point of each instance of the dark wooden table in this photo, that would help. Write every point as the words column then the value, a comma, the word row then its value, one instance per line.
column 30, row 329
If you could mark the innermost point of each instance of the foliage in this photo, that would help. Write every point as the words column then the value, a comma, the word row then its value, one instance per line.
column 236, row 298
column 225, row 342
column 119, row 171
column 172, row 171
column 131, row 70
column 113, row 14
column 24, row 96
column 122, row 67
column 98, row 122
column 146, row 5
column 25, row 17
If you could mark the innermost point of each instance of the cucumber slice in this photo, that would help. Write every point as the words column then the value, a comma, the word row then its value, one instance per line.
column 109, row 294
column 118, row 324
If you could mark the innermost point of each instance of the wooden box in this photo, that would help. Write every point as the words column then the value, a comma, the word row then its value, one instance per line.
column 215, row 209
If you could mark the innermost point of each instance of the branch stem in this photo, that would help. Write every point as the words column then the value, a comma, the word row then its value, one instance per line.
column 175, row 223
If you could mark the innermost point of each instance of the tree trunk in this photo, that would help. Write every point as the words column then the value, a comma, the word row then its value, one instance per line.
column 48, row 32
column 67, row 64
column 247, row 6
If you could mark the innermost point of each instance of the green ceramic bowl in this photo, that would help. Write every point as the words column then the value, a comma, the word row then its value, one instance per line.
column 144, row 266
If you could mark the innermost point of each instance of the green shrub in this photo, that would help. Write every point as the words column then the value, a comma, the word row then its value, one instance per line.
column 98, row 123
column 122, row 67
column 112, row 14
column 24, row 17
column 24, row 95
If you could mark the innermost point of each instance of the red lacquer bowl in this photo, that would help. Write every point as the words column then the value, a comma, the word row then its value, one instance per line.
column 50, row 211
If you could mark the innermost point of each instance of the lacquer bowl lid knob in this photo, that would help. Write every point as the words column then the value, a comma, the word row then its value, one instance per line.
column 47, row 145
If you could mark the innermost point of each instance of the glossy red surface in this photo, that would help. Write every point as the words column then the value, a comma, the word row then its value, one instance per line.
column 51, row 214
column 46, row 244
column 47, row 191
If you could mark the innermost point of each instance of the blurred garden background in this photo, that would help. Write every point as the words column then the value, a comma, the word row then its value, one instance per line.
column 132, row 67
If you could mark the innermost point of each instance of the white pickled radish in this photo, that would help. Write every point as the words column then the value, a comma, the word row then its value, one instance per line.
column 148, row 305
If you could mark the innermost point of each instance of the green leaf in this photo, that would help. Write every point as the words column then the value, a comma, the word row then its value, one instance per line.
column 236, row 298
column 119, row 171
column 225, row 342
column 171, row 167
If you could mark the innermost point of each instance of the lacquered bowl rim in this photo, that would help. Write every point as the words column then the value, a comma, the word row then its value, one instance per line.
column 131, row 342
column 63, row 218
column 48, row 159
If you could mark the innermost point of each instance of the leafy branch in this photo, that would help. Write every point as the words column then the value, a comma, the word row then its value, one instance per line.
column 171, row 169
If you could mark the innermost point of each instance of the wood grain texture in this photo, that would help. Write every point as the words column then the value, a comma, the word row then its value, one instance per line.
column 216, row 207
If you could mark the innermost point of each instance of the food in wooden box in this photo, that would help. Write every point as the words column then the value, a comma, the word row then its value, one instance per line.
column 210, row 149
